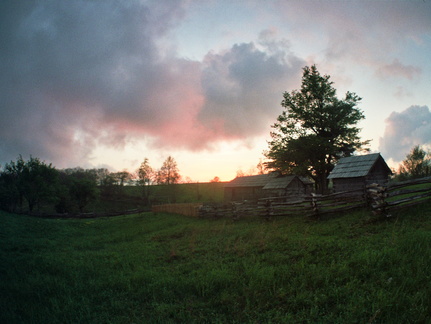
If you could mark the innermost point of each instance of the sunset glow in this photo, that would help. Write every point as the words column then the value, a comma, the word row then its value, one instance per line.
column 106, row 84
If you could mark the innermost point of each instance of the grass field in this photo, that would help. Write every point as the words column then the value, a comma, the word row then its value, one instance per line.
column 131, row 197
column 165, row 268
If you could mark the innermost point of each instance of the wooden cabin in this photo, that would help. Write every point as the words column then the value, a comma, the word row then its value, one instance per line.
column 291, row 185
column 356, row 172
column 266, row 185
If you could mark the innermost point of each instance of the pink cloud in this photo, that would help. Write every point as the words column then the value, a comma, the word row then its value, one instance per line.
column 82, row 74
column 365, row 33
column 397, row 69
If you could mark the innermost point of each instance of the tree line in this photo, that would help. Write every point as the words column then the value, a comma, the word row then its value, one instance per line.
column 312, row 133
column 33, row 184
column 417, row 164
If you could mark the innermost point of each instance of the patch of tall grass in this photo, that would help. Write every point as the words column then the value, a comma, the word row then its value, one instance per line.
column 168, row 269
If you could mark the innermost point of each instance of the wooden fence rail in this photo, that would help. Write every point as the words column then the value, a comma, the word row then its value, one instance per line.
column 87, row 215
column 379, row 199
column 399, row 195
column 187, row 209
column 314, row 205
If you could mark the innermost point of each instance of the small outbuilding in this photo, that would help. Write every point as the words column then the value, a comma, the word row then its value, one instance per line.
column 288, row 186
column 356, row 172
column 266, row 185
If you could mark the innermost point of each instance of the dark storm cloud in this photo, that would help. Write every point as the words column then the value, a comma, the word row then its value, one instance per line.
column 243, row 87
column 78, row 74
column 404, row 130
column 74, row 72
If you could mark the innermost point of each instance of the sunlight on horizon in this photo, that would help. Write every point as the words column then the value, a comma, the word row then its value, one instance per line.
column 229, row 158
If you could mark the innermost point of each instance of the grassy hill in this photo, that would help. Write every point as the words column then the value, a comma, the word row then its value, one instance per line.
column 188, row 192
column 165, row 268
column 131, row 197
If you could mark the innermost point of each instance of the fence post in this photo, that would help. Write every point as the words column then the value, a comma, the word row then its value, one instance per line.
column 377, row 199
column 314, row 205
column 234, row 212
column 268, row 205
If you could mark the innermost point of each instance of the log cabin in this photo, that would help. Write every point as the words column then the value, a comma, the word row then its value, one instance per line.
column 356, row 172
column 266, row 185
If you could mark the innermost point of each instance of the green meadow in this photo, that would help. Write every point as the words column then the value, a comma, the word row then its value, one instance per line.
column 130, row 197
column 164, row 268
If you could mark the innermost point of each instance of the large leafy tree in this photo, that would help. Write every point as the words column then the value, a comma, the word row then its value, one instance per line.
column 122, row 177
column 315, row 129
column 32, row 180
column 83, row 188
column 77, row 189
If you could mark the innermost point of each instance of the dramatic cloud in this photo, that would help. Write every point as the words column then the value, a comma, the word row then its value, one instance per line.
column 78, row 77
column 404, row 130
column 368, row 34
column 75, row 74
column 80, row 74
column 243, row 86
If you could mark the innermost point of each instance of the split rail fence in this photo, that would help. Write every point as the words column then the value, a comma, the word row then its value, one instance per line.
column 186, row 209
column 379, row 199
column 314, row 205
column 87, row 215
column 397, row 195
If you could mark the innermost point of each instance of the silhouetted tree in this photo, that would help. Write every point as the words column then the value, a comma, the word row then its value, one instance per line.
column 103, row 176
column 416, row 165
column 145, row 176
column 260, row 167
column 121, row 177
column 168, row 173
column 10, row 197
column 110, row 188
column 215, row 179
column 33, row 180
column 83, row 188
column 77, row 188
column 315, row 129
column 250, row 172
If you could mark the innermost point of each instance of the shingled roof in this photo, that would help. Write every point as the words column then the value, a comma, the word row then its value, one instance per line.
column 279, row 183
column 266, row 181
column 250, row 181
column 355, row 166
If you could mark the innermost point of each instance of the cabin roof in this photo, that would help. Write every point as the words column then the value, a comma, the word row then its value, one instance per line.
column 356, row 166
column 279, row 183
column 266, row 181
column 306, row 180
column 249, row 181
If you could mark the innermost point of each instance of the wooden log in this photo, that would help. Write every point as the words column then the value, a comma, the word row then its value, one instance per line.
column 408, row 199
column 407, row 191
column 340, row 209
column 402, row 184
column 406, row 205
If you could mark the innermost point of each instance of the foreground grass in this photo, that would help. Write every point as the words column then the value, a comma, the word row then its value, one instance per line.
column 163, row 268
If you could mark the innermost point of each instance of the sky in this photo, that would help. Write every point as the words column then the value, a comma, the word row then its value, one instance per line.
column 109, row 83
